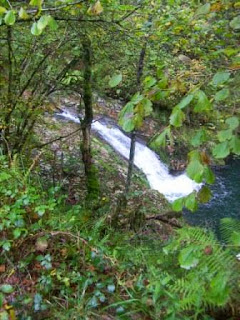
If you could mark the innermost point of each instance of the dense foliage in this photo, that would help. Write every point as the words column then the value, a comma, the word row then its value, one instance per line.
column 75, row 250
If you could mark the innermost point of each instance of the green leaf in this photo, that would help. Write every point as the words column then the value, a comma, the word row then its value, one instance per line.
column 43, row 22
column 6, row 288
column 177, row 117
column 137, row 98
column 128, row 125
column 199, row 138
column 221, row 150
column 149, row 82
column 126, row 111
column 203, row 104
column 115, row 80
column 40, row 210
column 230, row 51
column 23, row 14
column 185, row 101
column 138, row 121
column 222, row 95
column 160, row 140
column 235, row 23
column 204, row 195
column 10, row 18
column 188, row 258
column 163, row 83
column 16, row 233
column 194, row 155
column 36, row 3
column 235, row 238
column 224, row 135
column 190, row 202
column 220, row 78
column 178, row 204
column 1, row 301
column 147, row 106
column 209, row 175
column 6, row 245
column 235, row 145
column 126, row 119
column 204, row 9
column 218, row 292
column 4, row 176
column 160, row 94
column 233, row 122
column 34, row 30
column 52, row 23
column 195, row 170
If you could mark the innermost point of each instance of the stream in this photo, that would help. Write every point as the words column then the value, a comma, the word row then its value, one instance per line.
column 156, row 172
column 226, row 190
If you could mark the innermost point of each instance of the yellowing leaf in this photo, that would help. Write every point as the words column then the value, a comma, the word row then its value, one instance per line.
column 2, row 10
column 96, row 9
column 23, row 14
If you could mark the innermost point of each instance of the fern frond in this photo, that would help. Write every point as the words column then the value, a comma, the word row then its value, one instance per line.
column 230, row 231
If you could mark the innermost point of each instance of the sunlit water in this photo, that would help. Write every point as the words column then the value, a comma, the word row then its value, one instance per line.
column 157, row 173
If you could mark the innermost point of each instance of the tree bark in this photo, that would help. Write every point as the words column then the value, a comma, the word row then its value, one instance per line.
column 133, row 134
column 6, row 132
column 90, row 170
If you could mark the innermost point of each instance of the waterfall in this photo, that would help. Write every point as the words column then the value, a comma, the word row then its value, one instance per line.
column 157, row 173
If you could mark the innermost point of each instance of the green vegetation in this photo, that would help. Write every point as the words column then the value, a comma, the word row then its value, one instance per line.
column 81, row 234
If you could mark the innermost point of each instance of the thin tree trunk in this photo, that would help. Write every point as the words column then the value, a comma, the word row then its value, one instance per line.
column 122, row 201
column 90, row 170
column 133, row 134
column 6, row 132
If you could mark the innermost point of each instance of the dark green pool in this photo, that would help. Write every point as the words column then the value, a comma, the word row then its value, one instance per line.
column 225, row 201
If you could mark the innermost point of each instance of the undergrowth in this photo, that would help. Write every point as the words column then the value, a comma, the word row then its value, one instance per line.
column 59, row 262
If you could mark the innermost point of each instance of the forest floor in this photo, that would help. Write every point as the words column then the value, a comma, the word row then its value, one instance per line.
column 74, row 263
column 73, row 244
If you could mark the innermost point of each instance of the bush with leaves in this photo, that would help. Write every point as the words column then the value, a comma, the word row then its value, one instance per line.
column 23, row 205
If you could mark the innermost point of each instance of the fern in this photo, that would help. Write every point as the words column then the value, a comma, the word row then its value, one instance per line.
column 230, row 231
column 209, row 269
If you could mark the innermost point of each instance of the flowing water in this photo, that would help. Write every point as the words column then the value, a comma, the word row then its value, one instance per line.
column 157, row 174
column 226, row 190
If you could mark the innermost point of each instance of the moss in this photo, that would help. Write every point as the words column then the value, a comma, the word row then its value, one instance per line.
column 93, row 185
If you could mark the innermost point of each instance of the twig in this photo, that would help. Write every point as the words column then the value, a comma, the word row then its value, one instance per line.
column 128, row 14
column 57, row 139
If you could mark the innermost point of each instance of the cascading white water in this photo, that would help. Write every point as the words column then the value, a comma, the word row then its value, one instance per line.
column 172, row 187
